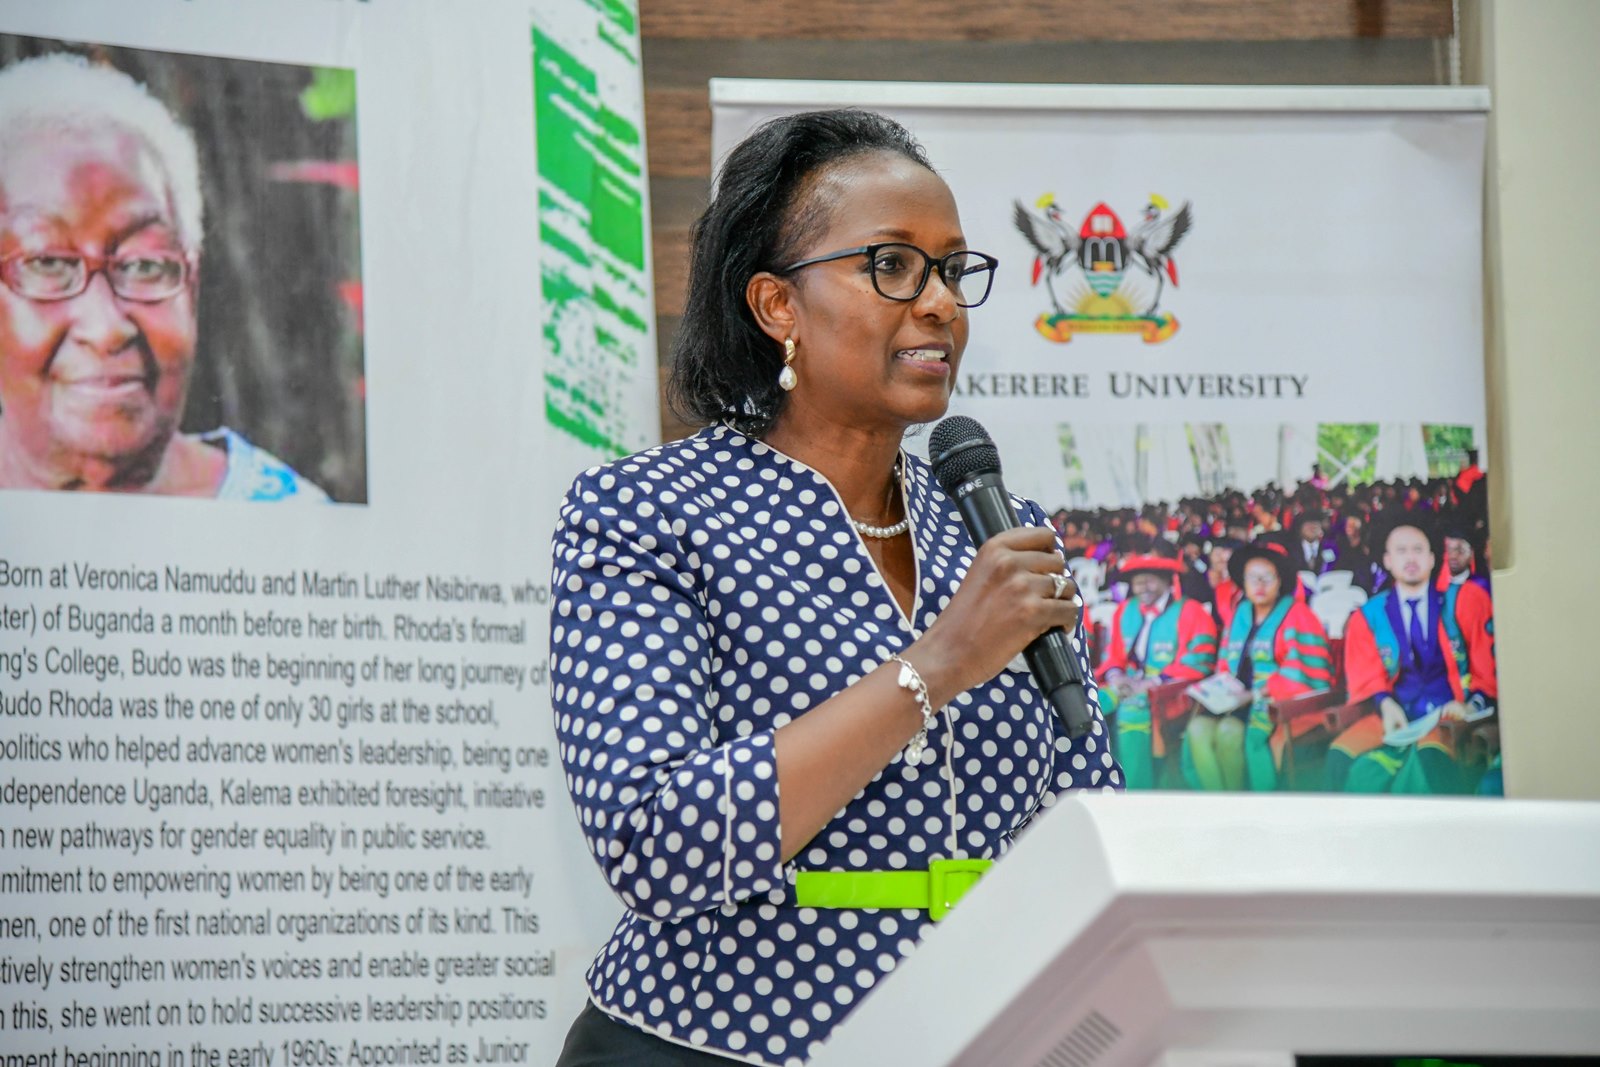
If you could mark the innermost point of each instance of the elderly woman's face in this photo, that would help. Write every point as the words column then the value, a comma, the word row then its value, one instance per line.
column 93, row 377
column 867, row 360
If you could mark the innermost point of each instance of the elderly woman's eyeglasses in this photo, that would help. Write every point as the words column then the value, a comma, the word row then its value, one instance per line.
column 900, row 271
column 145, row 277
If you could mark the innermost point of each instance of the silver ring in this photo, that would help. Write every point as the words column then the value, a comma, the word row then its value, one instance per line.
column 1062, row 584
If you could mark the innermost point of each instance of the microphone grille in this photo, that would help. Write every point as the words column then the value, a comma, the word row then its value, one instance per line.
column 959, row 448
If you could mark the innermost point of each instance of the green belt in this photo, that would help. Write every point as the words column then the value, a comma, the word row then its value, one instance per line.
column 935, row 890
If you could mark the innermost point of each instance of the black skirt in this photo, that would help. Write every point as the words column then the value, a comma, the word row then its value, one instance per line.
column 598, row 1040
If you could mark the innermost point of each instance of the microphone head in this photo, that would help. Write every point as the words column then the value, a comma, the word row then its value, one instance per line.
column 960, row 448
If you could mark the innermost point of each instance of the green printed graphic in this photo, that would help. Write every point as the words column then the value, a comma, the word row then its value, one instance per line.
column 623, row 17
column 331, row 94
column 600, row 369
column 619, row 27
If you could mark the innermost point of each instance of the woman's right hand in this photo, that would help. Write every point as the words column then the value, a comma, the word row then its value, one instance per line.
column 1006, row 600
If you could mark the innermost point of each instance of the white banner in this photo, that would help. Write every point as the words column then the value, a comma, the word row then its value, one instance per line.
column 1265, row 261
column 279, row 777
column 1229, row 316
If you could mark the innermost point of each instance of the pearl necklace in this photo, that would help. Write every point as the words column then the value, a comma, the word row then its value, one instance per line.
column 883, row 533
column 866, row 529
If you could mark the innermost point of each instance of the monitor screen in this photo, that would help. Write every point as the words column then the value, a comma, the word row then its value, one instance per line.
column 1453, row 1060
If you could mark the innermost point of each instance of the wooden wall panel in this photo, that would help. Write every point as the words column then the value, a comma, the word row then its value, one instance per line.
column 1052, row 20
column 677, row 123
column 671, row 63
column 678, row 116
column 671, row 265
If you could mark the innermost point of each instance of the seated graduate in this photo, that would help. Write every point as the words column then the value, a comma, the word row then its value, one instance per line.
column 1423, row 656
column 1277, row 649
column 1157, row 636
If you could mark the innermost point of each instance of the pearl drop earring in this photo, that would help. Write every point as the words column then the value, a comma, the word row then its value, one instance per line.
column 787, row 379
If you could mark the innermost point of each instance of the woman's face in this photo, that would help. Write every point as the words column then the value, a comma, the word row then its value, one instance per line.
column 1261, row 585
column 92, row 377
column 1149, row 587
column 862, row 360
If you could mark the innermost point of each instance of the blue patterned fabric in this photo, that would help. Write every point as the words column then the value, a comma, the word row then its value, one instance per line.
column 704, row 594
column 256, row 474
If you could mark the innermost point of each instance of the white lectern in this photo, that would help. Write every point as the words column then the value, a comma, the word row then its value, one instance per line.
column 1151, row 929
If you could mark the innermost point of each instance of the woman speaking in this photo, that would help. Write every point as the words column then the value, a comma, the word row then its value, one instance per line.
column 783, row 677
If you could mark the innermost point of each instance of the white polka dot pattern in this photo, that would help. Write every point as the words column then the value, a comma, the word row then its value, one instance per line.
column 704, row 594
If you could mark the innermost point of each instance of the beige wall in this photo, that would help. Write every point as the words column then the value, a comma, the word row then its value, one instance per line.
column 1541, row 64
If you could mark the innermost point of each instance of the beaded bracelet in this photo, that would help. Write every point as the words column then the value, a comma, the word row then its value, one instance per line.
column 909, row 679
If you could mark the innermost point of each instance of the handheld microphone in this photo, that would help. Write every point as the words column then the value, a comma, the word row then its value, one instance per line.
column 967, row 466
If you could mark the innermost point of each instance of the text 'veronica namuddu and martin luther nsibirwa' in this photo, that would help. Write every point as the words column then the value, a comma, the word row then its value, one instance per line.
column 288, row 779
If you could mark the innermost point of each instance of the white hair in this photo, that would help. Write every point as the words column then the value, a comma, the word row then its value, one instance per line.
column 63, row 93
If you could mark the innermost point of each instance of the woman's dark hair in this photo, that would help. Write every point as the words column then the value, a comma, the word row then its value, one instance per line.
column 724, row 368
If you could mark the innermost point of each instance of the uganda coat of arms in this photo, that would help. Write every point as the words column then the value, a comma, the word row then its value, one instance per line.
column 1100, row 277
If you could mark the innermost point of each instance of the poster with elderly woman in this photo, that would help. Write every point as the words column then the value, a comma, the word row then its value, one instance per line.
column 180, row 313
column 280, row 783
column 1254, row 415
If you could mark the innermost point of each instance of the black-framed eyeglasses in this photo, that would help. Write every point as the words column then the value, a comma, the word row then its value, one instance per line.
column 900, row 271
column 61, row 274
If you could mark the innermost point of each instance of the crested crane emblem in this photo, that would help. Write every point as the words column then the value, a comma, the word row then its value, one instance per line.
column 1102, row 278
